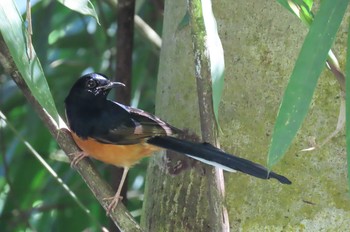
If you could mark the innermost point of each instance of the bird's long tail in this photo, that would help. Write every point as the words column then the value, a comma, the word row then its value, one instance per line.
column 211, row 155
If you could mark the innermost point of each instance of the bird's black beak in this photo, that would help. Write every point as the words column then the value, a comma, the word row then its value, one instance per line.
column 110, row 85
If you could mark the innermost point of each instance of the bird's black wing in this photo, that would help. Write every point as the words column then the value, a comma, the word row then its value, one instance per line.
column 121, row 124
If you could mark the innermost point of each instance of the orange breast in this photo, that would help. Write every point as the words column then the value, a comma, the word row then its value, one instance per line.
column 118, row 155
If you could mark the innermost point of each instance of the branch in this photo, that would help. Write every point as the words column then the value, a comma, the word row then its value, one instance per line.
column 97, row 185
column 209, row 128
column 125, row 38
column 143, row 28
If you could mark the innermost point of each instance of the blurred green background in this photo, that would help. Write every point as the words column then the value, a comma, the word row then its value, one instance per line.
column 68, row 45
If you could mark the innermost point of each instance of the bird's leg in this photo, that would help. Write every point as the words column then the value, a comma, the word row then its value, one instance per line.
column 77, row 156
column 116, row 198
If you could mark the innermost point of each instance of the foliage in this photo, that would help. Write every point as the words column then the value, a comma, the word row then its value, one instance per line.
column 67, row 44
column 303, row 80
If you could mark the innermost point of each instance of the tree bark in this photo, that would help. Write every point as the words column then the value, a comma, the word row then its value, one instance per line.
column 261, row 41
column 188, row 185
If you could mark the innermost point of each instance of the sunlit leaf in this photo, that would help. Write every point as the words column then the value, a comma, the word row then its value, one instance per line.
column 302, row 5
column 216, row 54
column 302, row 83
column 302, row 11
column 84, row 7
column 309, row 3
column 15, row 35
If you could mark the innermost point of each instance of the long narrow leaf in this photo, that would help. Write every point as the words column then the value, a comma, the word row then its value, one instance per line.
column 84, row 7
column 14, row 33
column 302, row 83
column 216, row 55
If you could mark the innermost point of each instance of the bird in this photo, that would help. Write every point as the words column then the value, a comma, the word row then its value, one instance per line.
column 121, row 135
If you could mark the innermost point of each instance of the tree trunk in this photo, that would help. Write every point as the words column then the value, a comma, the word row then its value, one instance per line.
column 261, row 41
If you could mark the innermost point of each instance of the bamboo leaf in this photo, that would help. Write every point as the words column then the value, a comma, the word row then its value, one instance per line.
column 216, row 55
column 302, row 83
column 84, row 7
column 15, row 35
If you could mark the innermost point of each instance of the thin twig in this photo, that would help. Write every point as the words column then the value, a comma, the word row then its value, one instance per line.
column 142, row 27
column 148, row 32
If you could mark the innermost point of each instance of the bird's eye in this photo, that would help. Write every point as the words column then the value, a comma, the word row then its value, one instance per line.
column 91, row 84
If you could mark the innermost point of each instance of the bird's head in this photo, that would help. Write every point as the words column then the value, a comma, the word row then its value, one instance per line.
column 92, row 86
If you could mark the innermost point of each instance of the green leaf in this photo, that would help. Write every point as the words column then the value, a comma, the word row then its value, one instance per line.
column 347, row 106
column 216, row 55
column 302, row 8
column 303, row 3
column 309, row 3
column 303, row 11
column 302, row 83
column 15, row 35
column 84, row 7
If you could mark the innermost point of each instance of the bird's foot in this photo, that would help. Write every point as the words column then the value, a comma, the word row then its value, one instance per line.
column 77, row 156
column 113, row 204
